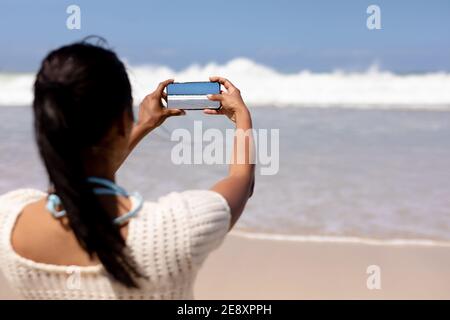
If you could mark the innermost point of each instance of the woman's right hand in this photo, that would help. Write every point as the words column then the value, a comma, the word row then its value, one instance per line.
column 231, row 102
column 152, row 112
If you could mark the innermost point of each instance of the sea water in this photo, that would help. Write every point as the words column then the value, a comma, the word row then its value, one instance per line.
column 382, row 174
column 362, row 155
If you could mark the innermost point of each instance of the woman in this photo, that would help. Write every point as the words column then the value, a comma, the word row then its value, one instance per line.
column 87, row 238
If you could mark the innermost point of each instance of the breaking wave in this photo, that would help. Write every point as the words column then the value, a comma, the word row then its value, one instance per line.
column 265, row 86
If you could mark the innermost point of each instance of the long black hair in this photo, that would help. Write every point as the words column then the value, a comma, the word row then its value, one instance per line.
column 80, row 92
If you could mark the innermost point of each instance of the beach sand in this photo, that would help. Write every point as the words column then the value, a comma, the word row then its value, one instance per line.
column 245, row 268
column 270, row 269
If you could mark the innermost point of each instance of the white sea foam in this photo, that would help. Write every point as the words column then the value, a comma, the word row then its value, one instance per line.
column 262, row 85
column 336, row 239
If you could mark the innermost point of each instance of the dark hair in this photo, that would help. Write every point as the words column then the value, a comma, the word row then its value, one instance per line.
column 81, row 91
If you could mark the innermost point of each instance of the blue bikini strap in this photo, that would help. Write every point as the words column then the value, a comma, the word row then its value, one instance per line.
column 53, row 201
column 108, row 184
column 110, row 188
column 125, row 217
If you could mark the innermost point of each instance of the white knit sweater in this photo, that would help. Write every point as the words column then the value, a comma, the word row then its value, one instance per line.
column 169, row 239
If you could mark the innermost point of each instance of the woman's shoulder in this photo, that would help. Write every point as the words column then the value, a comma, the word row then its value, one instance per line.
column 13, row 202
column 194, row 201
column 204, row 215
column 199, row 210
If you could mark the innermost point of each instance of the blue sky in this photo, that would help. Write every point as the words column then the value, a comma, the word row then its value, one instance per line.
column 287, row 35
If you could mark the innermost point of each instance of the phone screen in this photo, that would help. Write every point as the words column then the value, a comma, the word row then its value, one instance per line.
column 192, row 95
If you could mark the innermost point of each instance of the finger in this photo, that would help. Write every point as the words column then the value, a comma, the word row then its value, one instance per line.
column 164, row 96
column 225, row 82
column 215, row 97
column 162, row 85
column 212, row 111
column 174, row 112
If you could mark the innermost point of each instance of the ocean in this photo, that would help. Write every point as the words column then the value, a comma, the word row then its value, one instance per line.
column 363, row 156
column 380, row 174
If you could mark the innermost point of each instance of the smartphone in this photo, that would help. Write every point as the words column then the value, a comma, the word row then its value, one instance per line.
column 192, row 95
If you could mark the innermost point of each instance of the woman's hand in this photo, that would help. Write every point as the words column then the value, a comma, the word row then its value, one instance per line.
column 238, row 186
column 152, row 112
column 231, row 101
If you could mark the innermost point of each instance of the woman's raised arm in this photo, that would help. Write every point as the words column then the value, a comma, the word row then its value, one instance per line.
column 152, row 114
column 237, row 187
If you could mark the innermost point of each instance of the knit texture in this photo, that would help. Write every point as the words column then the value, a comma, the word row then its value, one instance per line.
column 169, row 239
